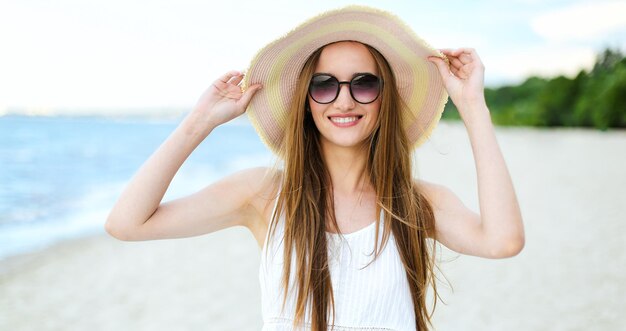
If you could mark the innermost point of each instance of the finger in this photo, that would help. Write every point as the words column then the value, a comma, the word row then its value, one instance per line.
column 459, row 51
column 461, row 73
column 455, row 62
column 465, row 58
column 227, row 76
column 454, row 58
column 449, row 52
column 465, row 55
column 442, row 66
column 469, row 55
column 235, row 80
column 455, row 71
column 227, row 90
column 248, row 94
column 231, row 94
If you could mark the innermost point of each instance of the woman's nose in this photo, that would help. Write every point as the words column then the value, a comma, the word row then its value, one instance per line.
column 344, row 100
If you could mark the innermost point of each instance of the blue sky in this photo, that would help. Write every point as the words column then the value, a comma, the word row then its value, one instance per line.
column 114, row 56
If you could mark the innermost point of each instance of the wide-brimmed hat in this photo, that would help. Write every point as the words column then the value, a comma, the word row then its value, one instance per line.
column 278, row 65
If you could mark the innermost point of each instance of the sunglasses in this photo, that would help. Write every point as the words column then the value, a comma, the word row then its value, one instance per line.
column 364, row 88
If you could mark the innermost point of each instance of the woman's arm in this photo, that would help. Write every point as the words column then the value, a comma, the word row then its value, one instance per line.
column 498, row 231
column 138, row 214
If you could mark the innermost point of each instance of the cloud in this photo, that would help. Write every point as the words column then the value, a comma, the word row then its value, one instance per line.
column 583, row 21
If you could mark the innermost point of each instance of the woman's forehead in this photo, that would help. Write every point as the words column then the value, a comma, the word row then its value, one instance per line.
column 345, row 59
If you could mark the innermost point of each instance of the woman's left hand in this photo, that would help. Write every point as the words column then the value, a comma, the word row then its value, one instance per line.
column 463, row 78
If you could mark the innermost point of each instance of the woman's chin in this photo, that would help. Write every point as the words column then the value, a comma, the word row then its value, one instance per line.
column 344, row 142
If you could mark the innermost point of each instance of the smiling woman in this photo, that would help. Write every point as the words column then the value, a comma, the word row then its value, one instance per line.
column 342, row 100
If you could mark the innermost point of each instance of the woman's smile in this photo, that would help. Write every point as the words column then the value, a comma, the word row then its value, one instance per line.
column 343, row 121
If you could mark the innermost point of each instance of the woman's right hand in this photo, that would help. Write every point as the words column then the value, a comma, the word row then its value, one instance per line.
column 224, row 100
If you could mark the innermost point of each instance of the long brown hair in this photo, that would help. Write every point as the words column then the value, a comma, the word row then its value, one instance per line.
column 306, row 203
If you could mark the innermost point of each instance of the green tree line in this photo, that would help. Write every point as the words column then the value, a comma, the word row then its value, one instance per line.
column 591, row 99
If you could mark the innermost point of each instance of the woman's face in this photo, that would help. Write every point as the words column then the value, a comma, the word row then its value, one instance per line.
column 344, row 121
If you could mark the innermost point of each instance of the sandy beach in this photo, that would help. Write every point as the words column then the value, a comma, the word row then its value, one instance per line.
column 571, row 275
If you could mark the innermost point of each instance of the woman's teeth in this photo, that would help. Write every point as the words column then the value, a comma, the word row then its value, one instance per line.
column 343, row 119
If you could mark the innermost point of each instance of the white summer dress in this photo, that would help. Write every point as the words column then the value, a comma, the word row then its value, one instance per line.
column 373, row 298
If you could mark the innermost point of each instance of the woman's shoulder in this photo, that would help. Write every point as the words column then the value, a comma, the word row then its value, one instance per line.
column 262, row 183
column 251, row 186
column 433, row 192
column 259, row 173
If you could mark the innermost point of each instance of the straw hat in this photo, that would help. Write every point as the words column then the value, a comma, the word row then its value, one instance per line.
column 278, row 65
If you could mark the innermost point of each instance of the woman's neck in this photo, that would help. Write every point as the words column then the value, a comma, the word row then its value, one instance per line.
column 347, row 167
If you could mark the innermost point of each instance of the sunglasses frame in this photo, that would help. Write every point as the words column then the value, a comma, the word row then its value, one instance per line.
column 339, row 83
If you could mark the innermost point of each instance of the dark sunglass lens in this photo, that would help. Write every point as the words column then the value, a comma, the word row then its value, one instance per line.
column 323, row 88
column 365, row 88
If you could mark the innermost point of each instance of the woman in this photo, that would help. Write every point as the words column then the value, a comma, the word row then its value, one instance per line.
column 344, row 227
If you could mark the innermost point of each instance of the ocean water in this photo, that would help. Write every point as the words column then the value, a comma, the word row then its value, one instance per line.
column 59, row 176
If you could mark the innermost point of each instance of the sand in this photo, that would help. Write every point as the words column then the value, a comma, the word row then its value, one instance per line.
column 570, row 276
column 203, row 283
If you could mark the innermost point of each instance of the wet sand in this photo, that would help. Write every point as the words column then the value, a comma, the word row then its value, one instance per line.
column 571, row 275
